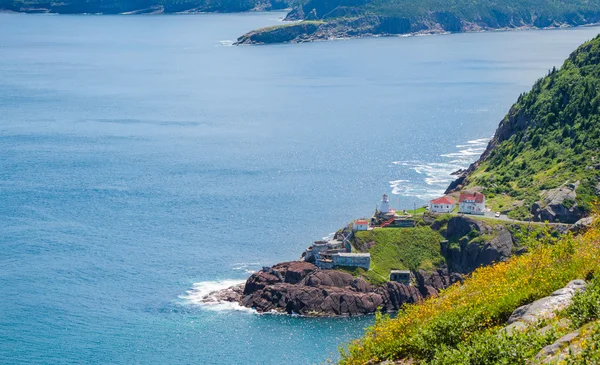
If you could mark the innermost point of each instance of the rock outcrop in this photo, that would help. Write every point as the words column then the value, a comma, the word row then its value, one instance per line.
column 544, row 308
column 466, row 249
column 558, row 205
column 582, row 225
column 301, row 288
column 430, row 283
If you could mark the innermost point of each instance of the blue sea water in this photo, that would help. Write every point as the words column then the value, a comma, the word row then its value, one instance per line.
column 144, row 161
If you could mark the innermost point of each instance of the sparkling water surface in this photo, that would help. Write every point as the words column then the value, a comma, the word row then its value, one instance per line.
column 144, row 161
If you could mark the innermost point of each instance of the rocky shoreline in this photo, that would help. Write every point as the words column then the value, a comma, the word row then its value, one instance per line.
column 366, row 27
column 301, row 288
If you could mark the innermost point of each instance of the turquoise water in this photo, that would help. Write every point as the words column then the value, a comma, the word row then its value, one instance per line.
column 145, row 161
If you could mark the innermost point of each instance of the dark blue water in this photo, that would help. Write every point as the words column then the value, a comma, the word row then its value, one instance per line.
column 143, row 161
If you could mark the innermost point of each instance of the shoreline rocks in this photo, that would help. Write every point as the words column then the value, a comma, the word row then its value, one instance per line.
column 299, row 287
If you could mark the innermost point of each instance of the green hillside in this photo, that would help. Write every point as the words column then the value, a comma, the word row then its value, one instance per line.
column 545, row 147
column 465, row 324
column 356, row 18
column 397, row 248
column 544, row 160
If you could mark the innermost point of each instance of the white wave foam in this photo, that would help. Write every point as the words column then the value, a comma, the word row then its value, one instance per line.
column 226, row 43
column 437, row 175
column 204, row 294
column 329, row 237
column 247, row 267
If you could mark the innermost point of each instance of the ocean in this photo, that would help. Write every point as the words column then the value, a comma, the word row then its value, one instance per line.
column 144, row 161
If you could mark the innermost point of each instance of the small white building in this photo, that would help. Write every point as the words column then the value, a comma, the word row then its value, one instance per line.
column 384, row 206
column 471, row 203
column 444, row 204
column 361, row 225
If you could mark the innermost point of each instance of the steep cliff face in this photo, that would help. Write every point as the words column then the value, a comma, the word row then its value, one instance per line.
column 543, row 158
column 360, row 18
column 468, row 248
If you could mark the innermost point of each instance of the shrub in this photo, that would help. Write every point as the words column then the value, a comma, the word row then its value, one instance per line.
column 586, row 304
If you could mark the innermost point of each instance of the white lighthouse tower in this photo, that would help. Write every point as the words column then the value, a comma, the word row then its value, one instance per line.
column 384, row 207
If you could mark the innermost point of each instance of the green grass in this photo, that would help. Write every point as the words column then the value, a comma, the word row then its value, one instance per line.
column 401, row 248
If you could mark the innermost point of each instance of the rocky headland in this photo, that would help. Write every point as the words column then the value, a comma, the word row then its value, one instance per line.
column 326, row 20
column 300, row 287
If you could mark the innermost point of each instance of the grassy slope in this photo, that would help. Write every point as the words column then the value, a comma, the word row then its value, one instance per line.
column 555, row 138
column 461, row 326
column 401, row 248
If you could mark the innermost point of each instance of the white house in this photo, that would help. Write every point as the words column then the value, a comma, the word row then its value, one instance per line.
column 361, row 225
column 444, row 204
column 471, row 203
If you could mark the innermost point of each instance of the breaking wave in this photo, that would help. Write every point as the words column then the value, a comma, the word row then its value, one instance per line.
column 203, row 294
column 437, row 175
column 247, row 267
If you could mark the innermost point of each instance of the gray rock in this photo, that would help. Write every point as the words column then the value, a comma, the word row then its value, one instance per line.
column 545, row 307
column 549, row 353
column 553, row 207
column 581, row 225
column 461, row 226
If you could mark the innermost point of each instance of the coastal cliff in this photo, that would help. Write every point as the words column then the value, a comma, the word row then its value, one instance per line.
column 542, row 162
column 542, row 304
column 366, row 18
column 463, row 245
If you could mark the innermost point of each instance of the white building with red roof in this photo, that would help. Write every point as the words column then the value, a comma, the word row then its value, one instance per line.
column 471, row 203
column 361, row 225
column 444, row 204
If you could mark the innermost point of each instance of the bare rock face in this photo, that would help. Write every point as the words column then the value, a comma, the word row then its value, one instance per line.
column 582, row 225
column 469, row 254
column 394, row 295
column 544, row 307
column 558, row 205
column 430, row 283
column 301, row 288
column 559, row 351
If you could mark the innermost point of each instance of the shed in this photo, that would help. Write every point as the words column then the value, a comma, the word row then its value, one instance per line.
column 400, row 276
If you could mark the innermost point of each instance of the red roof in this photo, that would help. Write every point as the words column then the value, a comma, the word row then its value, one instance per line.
column 471, row 197
column 362, row 221
column 443, row 200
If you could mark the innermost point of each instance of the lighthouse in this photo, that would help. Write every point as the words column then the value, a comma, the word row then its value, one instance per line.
column 384, row 207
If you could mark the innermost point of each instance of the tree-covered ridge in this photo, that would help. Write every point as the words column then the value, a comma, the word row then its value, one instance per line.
column 549, row 142
column 142, row 6
column 355, row 18
column 503, row 13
